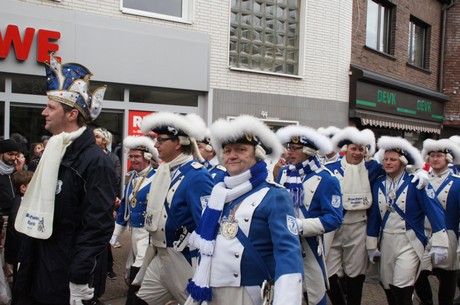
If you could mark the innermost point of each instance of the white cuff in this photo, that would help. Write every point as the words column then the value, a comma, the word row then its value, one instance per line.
column 119, row 229
column 288, row 289
column 440, row 239
column 312, row 227
column 371, row 242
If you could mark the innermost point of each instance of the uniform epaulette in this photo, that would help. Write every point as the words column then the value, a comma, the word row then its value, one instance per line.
column 196, row 165
column 128, row 176
column 456, row 176
column 327, row 170
column 274, row 183
column 222, row 168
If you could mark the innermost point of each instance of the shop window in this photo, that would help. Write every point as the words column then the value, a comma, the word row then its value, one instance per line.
column 2, row 83
column 174, row 10
column 28, row 84
column 140, row 94
column 419, row 41
column 114, row 92
column 27, row 121
column 380, row 26
column 264, row 35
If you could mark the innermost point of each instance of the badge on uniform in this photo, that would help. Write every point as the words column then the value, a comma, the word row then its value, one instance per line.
column 292, row 225
column 336, row 201
column 430, row 192
column 204, row 201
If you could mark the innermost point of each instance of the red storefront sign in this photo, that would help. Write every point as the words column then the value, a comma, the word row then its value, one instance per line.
column 11, row 39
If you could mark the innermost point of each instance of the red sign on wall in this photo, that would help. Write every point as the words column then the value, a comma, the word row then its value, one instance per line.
column 134, row 122
column 11, row 39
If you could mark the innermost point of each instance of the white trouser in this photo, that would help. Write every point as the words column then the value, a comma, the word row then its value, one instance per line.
column 347, row 254
column 166, row 278
column 139, row 244
column 227, row 296
column 399, row 261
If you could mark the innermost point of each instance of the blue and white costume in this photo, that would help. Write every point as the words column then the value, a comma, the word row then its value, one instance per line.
column 397, row 220
column 180, row 190
column 132, row 212
column 248, row 233
column 317, row 198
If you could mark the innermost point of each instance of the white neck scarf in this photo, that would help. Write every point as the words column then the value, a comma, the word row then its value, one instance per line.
column 36, row 212
column 159, row 189
column 355, row 185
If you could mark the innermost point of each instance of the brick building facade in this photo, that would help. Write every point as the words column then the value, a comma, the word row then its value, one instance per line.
column 383, row 67
column 451, row 75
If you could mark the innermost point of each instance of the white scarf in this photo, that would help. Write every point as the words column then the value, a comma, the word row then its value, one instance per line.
column 355, row 186
column 36, row 212
column 159, row 189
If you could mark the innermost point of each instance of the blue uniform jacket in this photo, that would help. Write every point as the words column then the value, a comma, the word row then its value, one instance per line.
column 136, row 213
column 267, row 219
column 416, row 204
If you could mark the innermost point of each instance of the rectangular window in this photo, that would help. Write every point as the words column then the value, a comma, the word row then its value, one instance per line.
column 418, row 43
column 141, row 94
column 29, row 84
column 174, row 10
column 264, row 35
column 2, row 84
column 379, row 26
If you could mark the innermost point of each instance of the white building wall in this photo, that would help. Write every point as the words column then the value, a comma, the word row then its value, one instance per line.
column 327, row 46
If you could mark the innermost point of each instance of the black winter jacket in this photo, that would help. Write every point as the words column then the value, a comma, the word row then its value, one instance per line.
column 82, row 227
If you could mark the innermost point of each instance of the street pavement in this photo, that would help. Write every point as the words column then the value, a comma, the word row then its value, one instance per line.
column 116, row 290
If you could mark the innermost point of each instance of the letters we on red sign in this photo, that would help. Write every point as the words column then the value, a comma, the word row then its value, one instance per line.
column 12, row 40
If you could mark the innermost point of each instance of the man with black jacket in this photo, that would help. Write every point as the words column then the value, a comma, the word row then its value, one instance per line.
column 66, row 211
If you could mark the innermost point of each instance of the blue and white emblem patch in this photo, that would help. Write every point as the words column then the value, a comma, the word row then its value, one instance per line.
column 430, row 192
column 336, row 201
column 292, row 225
column 204, row 201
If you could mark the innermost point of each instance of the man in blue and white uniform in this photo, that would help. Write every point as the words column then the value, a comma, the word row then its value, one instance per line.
column 248, row 235
column 317, row 201
column 180, row 189
column 346, row 255
column 440, row 154
column 133, row 204
column 396, row 221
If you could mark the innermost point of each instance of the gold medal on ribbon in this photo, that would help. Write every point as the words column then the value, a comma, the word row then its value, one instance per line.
column 229, row 229
column 133, row 202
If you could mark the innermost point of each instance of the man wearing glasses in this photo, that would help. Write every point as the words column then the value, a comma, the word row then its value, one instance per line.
column 317, row 200
column 133, row 205
column 179, row 191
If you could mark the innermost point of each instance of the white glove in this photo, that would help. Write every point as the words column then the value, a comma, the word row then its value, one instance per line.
column 299, row 225
column 422, row 177
column 80, row 292
column 114, row 240
column 373, row 254
column 439, row 254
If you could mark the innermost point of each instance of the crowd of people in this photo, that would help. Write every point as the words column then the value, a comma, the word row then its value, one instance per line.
column 207, row 223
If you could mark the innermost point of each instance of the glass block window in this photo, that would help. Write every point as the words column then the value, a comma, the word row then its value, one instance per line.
column 174, row 10
column 379, row 27
column 419, row 39
column 264, row 35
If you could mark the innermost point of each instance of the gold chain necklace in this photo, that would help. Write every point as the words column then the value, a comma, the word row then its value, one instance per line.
column 134, row 200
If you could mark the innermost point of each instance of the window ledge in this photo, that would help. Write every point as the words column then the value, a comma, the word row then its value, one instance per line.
column 266, row 72
column 391, row 57
column 426, row 71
